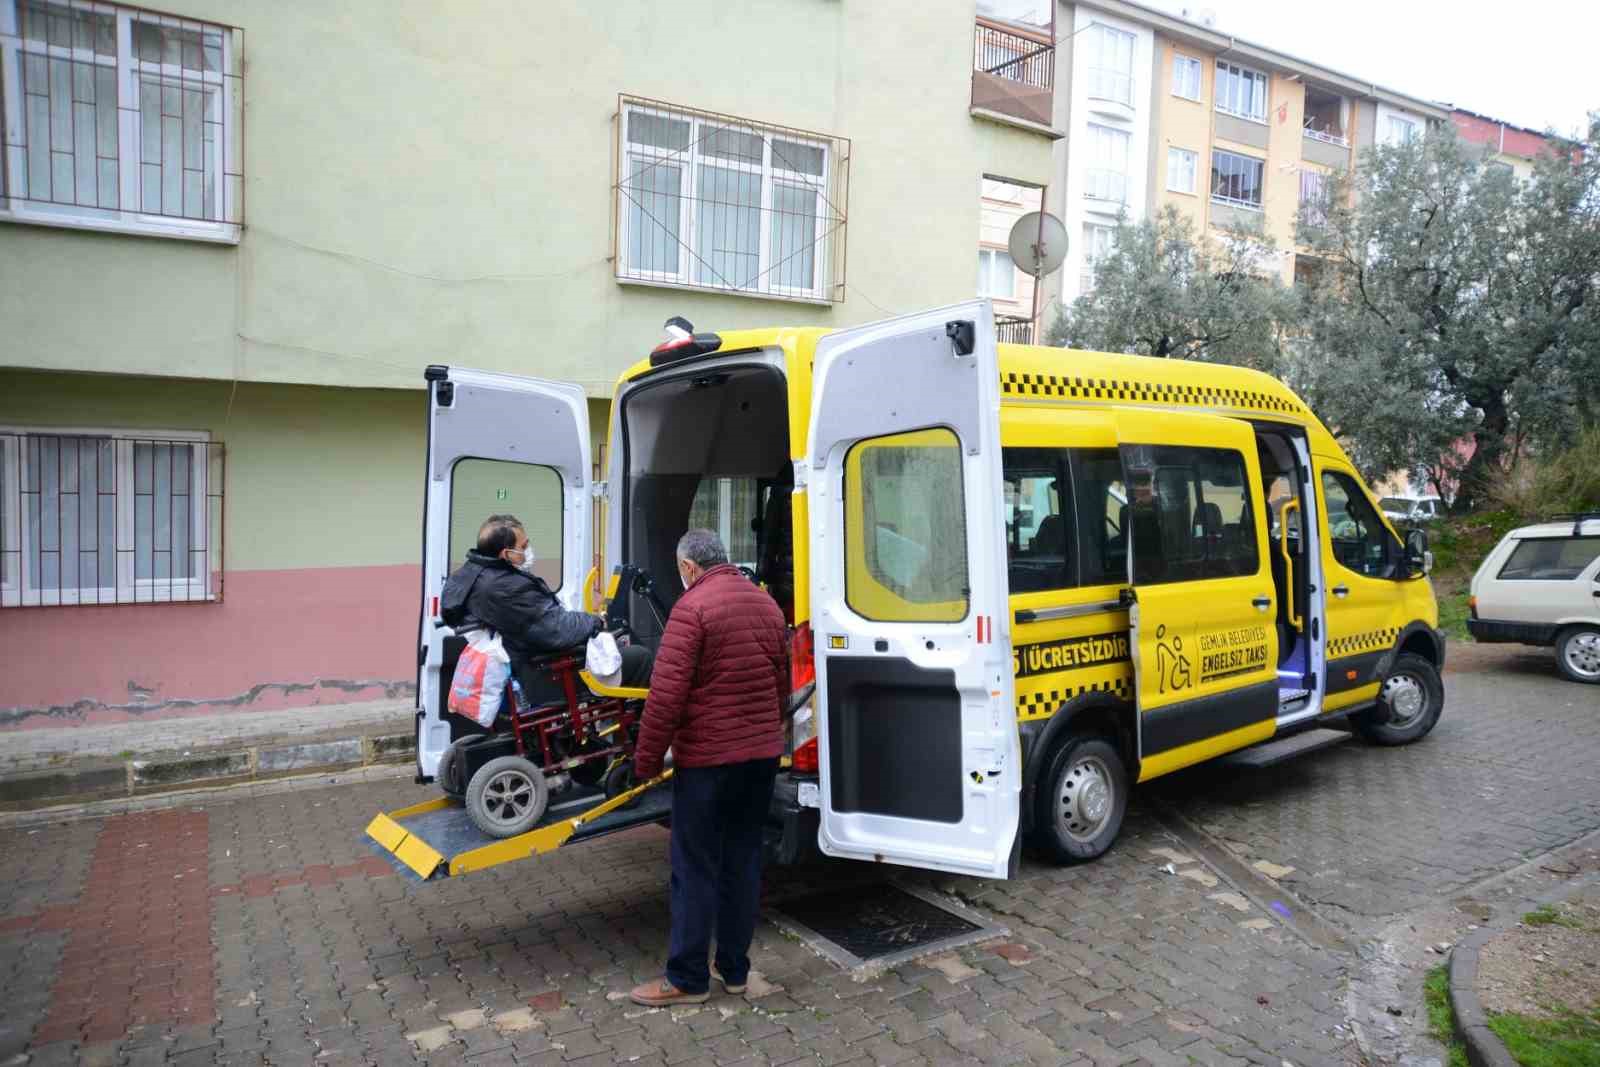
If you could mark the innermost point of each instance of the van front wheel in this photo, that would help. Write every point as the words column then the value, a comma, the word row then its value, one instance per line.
column 1081, row 800
column 1412, row 696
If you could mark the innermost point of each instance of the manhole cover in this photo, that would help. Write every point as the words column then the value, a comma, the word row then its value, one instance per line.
column 881, row 924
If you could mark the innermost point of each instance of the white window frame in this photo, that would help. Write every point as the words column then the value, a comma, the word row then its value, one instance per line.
column 1093, row 250
column 1316, row 183
column 988, row 262
column 1229, row 77
column 129, row 216
column 1182, row 68
column 1192, row 161
column 1400, row 129
column 1106, row 80
column 1106, row 181
column 1238, row 202
column 15, row 590
column 689, row 161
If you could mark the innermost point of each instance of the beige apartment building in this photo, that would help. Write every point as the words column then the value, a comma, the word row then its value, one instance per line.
column 233, row 233
column 1162, row 109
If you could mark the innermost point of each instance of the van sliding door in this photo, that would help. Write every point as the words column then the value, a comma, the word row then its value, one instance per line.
column 917, row 734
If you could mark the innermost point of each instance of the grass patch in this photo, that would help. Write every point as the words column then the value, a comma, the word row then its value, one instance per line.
column 1570, row 1040
column 1441, row 1018
column 1550, row 915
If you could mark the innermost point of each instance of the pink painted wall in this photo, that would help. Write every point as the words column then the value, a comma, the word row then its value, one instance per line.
column 279, row 639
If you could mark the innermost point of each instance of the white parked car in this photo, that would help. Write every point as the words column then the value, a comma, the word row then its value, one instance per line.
column 1541, row 586
column 1412, row 508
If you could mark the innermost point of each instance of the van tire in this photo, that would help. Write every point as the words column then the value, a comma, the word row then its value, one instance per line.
column 1081, row 800
column 1410, row 679
column 1576, row 647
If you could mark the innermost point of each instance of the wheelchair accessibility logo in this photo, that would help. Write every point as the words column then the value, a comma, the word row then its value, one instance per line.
column 1173, row 670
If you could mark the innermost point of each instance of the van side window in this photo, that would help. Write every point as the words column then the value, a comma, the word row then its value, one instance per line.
column 1550, row 559
column 1064, row 518
column 1191, row 514
column 1041, row 542
column 1360, row 540
column 906, row 528
column 1102, row 516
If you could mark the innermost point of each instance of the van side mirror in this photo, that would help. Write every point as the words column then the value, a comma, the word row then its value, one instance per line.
column 1419, row 560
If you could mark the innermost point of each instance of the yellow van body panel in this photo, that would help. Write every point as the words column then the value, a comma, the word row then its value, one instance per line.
column 1053, row 397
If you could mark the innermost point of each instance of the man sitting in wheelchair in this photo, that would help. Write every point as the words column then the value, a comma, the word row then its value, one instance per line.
column 496, row 587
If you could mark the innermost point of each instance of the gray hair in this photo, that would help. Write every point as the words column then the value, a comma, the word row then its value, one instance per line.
column 703, row 548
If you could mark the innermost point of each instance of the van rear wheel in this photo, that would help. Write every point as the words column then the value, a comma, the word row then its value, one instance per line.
column 1081, row 800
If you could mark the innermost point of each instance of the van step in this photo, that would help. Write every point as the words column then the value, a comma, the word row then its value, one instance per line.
column 1270, row 752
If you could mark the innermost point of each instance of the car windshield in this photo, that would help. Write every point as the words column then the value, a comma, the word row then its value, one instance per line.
column 1395, row 503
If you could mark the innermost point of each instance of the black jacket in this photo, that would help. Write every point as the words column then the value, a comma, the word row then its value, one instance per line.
column 520, row 607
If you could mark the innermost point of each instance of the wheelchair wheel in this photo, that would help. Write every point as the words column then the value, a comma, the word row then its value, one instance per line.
column 452, row 772
column 507, row 796
column 619, row 779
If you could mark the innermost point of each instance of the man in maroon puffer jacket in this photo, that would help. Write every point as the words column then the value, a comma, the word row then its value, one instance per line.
column 720, row 679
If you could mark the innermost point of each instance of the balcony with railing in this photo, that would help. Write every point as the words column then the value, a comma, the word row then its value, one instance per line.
column 1013, row 72
column 1013, row 330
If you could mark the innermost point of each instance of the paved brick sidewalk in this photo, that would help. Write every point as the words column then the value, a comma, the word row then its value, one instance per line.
column 262, row 930
column 1509, row 773
column 25, row 750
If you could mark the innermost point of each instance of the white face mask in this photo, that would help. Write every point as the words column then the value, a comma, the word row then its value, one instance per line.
column 526, row 566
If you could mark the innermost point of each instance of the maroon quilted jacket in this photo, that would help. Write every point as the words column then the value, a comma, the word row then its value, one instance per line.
column 720, row 677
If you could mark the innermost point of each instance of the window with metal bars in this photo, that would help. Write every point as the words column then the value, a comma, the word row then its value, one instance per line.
column 104, row 517
column 119, row 118
column 710, row 201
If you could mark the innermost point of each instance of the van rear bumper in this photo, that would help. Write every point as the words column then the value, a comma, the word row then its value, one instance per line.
column 1498, row 631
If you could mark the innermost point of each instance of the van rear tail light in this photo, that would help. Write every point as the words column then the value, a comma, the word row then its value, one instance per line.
column 804, row 760
column 1472, row 606
column 802, row 658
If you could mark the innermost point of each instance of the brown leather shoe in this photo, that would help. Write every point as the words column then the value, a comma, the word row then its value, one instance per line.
column 660, row 993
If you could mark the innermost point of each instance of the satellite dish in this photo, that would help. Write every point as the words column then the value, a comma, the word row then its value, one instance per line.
column 1038, row 243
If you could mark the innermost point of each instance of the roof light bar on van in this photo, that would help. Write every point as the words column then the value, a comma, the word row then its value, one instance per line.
column 679, row 341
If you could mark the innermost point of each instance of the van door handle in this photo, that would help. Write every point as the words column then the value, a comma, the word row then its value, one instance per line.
column 1341, row 591
column 1262, row 603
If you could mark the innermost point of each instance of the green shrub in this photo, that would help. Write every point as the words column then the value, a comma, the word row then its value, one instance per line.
column 1565, row 481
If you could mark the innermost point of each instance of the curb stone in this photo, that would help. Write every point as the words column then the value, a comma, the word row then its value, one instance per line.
column 153, row 773
column 1484, row 1047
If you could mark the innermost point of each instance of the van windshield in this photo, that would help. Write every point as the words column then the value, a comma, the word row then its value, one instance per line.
column 1395, row 503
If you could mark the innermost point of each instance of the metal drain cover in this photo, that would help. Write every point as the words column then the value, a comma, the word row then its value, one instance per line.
column 882, row 925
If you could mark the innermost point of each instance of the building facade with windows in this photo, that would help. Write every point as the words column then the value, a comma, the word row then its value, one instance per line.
column 233, row 235
column 1233, row 134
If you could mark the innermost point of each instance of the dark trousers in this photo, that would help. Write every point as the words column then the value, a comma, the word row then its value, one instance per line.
column 717, row 816
column 636, row 664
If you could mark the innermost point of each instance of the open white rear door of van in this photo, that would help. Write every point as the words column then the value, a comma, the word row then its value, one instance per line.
column 917, row 735
column 497, row 443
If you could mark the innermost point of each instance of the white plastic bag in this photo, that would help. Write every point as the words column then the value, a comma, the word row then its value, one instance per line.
column 481, row 676
column 603, row 659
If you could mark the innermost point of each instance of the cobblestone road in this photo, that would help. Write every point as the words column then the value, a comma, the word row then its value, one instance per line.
column 1510, row 772
column 260, row 929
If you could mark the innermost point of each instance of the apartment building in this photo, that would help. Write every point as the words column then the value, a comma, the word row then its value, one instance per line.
column 1513, row 148
column 233, row 233
column 1162, row 109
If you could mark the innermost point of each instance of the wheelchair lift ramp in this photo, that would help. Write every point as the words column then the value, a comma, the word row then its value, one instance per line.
column 438, row 839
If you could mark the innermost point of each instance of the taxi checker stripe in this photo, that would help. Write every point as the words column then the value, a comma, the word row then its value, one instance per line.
column 1054, row 697
column 1370, row 640
column 1029, row 384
